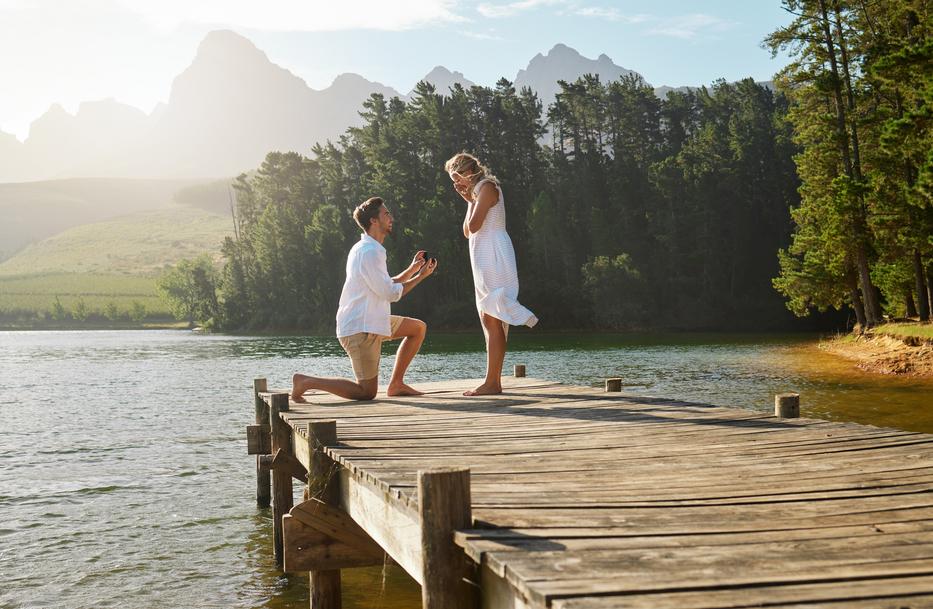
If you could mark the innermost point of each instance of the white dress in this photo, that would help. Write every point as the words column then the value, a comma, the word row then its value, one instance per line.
column 495, row 274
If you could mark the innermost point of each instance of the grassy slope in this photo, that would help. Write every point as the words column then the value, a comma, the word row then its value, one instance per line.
column 116, row 261
column 906, row 329
column 139, row 244
column 32, row 211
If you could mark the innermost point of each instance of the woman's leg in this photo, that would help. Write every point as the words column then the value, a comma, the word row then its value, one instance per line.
column 495, row 356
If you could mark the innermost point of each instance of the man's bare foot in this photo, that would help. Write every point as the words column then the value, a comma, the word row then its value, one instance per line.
column 298, row 389
column 401, row 389
column 485, row 389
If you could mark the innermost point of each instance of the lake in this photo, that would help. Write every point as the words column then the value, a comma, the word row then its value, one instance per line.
column 124, row 478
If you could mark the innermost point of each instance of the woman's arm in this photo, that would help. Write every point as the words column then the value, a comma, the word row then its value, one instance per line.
column 488, row 196
column 466, row 220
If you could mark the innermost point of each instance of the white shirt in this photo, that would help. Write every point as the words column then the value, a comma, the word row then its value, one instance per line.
column 367, row 292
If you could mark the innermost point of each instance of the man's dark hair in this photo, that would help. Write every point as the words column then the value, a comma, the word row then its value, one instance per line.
column 366, row 211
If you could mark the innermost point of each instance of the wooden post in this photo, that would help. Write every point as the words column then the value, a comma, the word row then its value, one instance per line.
column 282, row 499
column 519, row 370
column 263, row 497
column 614, row 384
column 787, row 405
column 323, row 484
column 444, row 506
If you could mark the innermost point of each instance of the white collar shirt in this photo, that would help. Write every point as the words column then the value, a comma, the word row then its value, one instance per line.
column 367, row 291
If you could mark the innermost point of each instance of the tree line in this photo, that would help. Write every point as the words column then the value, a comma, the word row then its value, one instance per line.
column 628, row 211
column 861, row 92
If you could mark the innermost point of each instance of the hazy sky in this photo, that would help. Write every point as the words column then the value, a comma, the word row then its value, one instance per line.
column 63, row 51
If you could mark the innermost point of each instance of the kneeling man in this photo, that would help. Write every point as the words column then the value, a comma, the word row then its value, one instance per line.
column 363, row 317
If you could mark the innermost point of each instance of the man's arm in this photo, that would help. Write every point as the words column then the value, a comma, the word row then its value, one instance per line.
column 426, row 271
column 412, row 269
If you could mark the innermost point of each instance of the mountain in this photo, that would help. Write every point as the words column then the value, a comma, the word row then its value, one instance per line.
column 443, row 80
column 227, row 110
column 564, row 63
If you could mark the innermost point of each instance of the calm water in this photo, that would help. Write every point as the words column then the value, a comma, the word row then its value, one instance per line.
column 124, row 480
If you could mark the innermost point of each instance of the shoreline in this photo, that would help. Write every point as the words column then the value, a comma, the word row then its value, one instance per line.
column 884, row 353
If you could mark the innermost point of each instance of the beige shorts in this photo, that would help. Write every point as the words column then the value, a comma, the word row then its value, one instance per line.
column 365, row 349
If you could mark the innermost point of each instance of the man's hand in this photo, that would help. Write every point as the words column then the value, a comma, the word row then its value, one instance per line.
column 417, row 262
column 428, row 268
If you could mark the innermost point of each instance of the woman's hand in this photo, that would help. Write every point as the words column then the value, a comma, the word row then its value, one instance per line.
column 464, row 191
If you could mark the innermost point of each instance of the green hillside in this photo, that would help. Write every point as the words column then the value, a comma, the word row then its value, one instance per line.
column 138, row 244
column 32, row 211
column 107, row 269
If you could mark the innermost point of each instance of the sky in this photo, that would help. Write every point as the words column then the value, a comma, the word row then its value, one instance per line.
column 66, row 52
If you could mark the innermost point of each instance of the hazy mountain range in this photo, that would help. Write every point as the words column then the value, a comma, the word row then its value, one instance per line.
column 226, row 111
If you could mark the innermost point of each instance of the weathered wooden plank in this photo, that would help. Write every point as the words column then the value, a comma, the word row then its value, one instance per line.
column 320, row 538
column 282, row 499
column 443, row 507
column 257, row 439
column 911, row 592
column 393, row 526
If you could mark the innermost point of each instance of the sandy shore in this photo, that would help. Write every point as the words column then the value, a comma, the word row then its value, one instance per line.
column 884, row 354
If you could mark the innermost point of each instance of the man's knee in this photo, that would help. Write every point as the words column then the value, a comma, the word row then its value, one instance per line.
column 368, row 389
column 421, row 327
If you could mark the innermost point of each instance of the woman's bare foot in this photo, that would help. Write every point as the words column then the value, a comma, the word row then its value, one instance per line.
column 401, row 389
column 485, row 389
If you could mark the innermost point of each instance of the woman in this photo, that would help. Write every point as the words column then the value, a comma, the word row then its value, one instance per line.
column 492, row 258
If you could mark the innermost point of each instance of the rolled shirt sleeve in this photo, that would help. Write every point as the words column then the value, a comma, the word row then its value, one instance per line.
column 375, row 273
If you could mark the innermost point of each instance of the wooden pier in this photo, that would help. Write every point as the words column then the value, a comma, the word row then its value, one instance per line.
column 568, row 497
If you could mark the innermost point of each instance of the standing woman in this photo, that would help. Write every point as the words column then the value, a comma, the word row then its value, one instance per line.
column 495, row 275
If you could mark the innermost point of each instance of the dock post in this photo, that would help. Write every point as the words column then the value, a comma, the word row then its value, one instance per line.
column 323, row 484
column 263, row 497
column 787, row 405
column 282, row 499
column 614, row 384
column 519, row 370
column 444, row 507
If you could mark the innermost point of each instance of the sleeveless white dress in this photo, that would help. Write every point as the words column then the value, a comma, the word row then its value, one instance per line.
column 495, row 274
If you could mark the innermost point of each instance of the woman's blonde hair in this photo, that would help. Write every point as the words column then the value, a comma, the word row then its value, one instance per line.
column 468, row 166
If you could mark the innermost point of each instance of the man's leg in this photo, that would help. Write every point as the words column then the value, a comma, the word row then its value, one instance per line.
column 363, row 350
column 412, row 332
column 495, row 356
column 345, row 388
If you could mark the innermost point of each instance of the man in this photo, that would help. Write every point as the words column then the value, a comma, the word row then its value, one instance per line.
column 363, row 317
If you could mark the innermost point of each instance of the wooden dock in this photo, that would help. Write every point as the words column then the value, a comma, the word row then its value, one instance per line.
column 568, row 497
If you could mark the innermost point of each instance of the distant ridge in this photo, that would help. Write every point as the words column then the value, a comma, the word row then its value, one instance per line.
column 228, row 109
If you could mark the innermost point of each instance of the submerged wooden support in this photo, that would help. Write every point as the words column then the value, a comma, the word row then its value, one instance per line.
column 324, row 486
column 262, row 418
column 787, row 405
column 449, row 578
column 319, row 537
column 286, row 462
column 282, row 499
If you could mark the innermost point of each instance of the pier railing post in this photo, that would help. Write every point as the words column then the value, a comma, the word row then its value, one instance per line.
column 787, row 405
column 282, row 499
column 444, row 506
column 519, row 370
column 324, row 485
column 263, row 497
column 614, row 384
